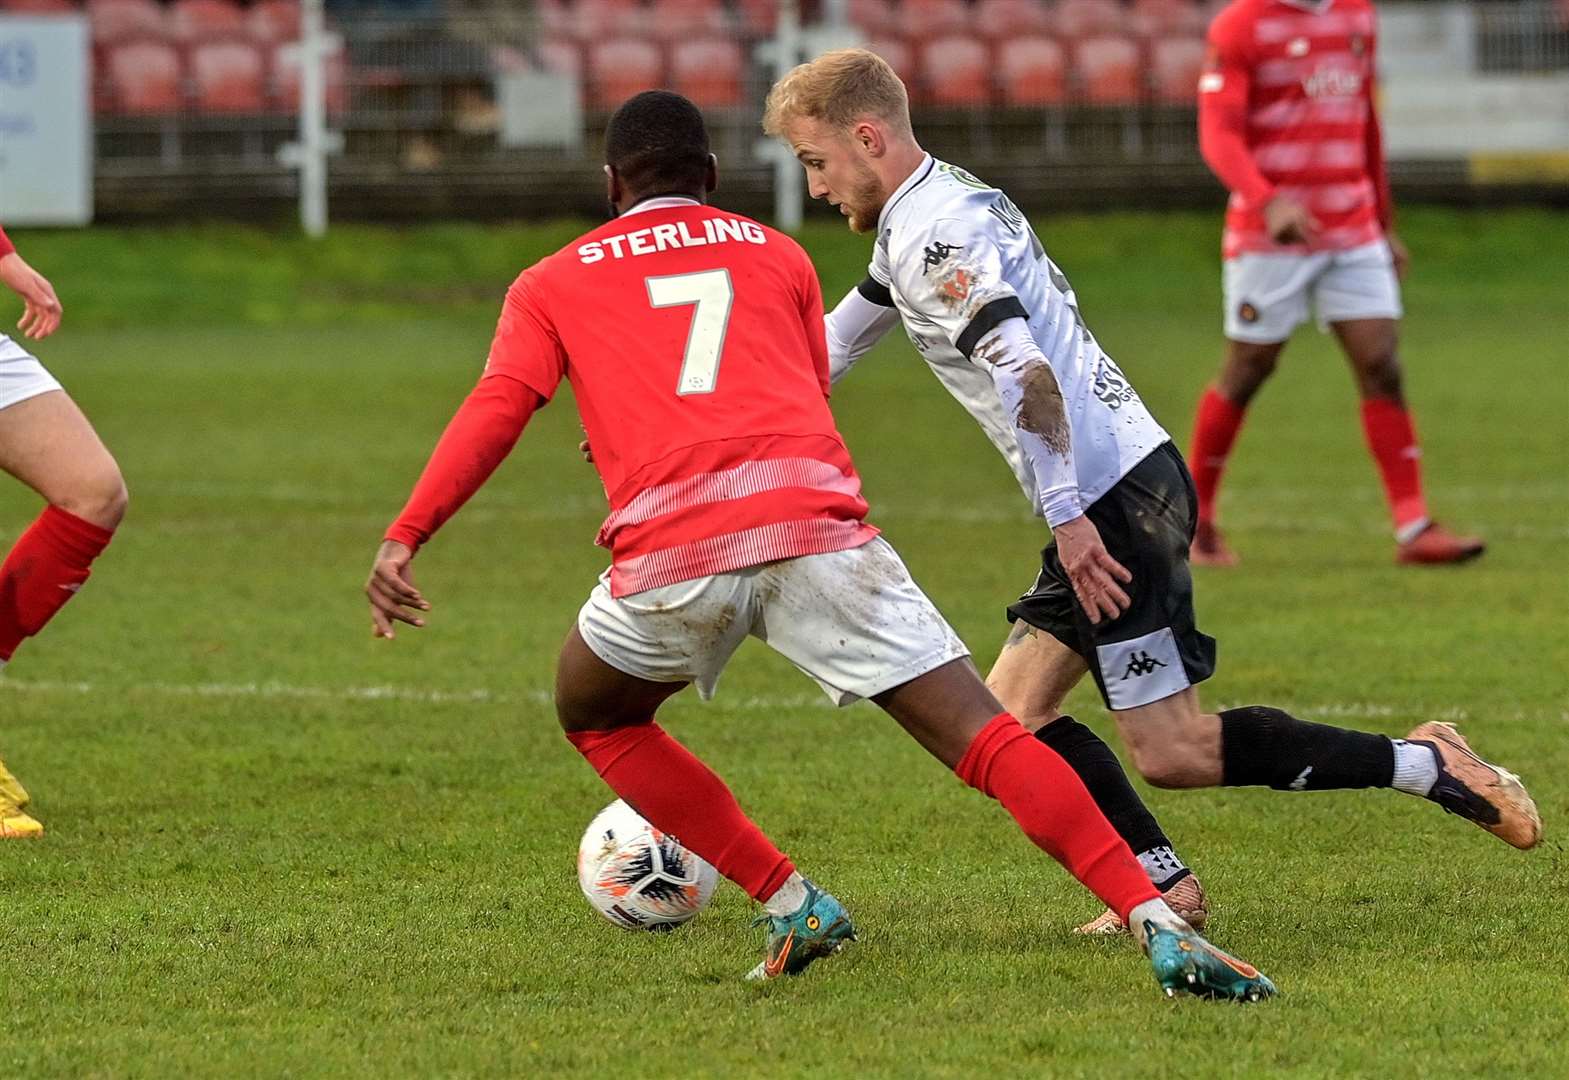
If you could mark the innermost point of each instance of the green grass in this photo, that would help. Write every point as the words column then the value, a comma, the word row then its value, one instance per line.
column 277, row 847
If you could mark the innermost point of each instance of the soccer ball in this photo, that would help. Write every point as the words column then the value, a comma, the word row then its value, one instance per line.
column 638, row 877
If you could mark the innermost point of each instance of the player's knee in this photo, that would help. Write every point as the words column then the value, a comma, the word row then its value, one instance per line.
column 99, row 496
column 1379, row 375
column 1247, row 370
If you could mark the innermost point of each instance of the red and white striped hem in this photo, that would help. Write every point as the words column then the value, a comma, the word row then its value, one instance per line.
column 736, row 551
column 739, row 482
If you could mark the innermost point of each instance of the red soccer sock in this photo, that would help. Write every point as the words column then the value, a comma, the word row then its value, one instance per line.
column 47, row 566
column 1392, row 439
column 1215, row 428
column 678, row 794
column 1055, row 810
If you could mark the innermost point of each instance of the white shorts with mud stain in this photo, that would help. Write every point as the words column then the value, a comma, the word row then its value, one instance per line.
column 21, row 375
column 854, row 621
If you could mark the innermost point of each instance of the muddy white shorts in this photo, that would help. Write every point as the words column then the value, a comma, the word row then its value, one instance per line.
column 1268, row 294
column 853, row 620
column 21, row 375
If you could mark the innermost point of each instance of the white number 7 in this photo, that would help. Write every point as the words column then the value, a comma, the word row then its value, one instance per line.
column 705, row 342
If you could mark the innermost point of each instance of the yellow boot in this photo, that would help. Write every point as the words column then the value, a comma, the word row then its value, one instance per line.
column 15, row 824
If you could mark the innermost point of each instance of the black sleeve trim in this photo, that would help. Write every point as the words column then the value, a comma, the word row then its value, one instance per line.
column 988, row 319
column 875, row 291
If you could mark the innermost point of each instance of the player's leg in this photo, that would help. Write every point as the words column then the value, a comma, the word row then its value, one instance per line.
column 1371, row 346
column 1265, row 298
column 621, row 661
column 1031, row 677
column 47, row 444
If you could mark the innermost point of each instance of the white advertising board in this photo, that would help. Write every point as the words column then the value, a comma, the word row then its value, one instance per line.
column 46, row 159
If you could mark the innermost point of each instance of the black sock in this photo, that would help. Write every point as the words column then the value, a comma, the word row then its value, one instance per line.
column 1260, row 745
column 1089, row 756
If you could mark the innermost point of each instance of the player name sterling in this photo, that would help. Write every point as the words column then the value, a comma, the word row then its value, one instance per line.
column 676, row 235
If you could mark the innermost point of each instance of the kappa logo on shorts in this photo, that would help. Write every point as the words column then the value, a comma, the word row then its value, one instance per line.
column 1141, row 664
column 1247, row 312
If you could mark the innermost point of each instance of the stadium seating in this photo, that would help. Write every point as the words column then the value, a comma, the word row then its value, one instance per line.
column 684, row 20
column 560, row 56
column 604, row 20
column 874, row 18
column 37, row 7
column 757, row 17
column 194, row 21
column 228, row 77
column 143, row 78
column 955, row 72
column 899, row 56
column 1032, row 71
column 1002, row 19
column 271, row 21
column 1175, row 66
column 125, row 20
column 923, row 19
column 621, row 67
column 286, row 80
column 1167, row 18
column 1075, row 19
column 1109, row 70
column 708, row 71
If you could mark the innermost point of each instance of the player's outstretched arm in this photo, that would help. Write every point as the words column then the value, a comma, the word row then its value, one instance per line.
column 482, row 433
column 857, row 324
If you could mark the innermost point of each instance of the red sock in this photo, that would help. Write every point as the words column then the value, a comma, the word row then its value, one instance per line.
column 44, row 570
column 678, row 794
column 1055, row 810
column 1215, row 428
column 1392, row 439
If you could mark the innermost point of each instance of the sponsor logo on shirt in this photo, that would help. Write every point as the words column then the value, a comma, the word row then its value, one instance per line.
column 936, row 254
column 1333, row 82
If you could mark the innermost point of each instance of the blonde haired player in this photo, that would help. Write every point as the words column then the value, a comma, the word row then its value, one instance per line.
column 46, row 443
column 999, row 325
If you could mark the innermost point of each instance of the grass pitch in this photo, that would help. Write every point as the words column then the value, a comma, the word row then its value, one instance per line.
column 277, row 847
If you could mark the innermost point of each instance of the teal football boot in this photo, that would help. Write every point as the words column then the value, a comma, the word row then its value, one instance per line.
column 1186, row 963
column 821, row 927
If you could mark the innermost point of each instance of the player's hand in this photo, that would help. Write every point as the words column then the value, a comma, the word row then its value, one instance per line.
column 391, row 590
column 1094, row 573
column 41, row 307
column 1402, row 256
column 1289, row 222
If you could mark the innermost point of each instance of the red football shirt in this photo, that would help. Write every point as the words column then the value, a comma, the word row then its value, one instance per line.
column 6, row 247
column 693, row 340
column 1286, row 107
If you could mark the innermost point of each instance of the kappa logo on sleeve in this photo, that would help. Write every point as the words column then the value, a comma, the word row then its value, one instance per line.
column 936, row 254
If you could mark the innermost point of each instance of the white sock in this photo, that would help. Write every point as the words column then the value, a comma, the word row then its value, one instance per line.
column 788, row 898
column 1416, row 768
column 1411, row 530
column 1161, row 864
column 1158, row 912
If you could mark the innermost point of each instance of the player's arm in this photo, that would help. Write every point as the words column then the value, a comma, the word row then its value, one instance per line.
column 966, row 295
column 858, row 323
column 41, row 309
column 524, row 367
column 1224, row 88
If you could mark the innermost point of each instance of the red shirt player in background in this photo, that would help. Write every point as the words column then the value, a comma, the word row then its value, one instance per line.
column 46, row 443
column 1287, row 121
column 693, row 339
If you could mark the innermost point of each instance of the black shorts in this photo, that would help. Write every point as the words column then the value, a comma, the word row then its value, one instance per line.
column 1152, row 650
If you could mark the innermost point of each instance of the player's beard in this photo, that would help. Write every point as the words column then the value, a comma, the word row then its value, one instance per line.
column 866, row 201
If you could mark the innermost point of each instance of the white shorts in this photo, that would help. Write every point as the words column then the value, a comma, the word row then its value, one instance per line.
column 21, row 375
column 852, row 620
column 1267, row 294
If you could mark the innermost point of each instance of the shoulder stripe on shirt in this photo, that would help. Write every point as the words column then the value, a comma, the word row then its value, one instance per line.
column 988, row 319
column 875, row 292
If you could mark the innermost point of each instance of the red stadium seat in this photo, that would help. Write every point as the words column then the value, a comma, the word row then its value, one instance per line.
column 271, row 21
column 956, row 71
column 898, row 55
column 228, row 77
column 999, row 19
column 125, row 20
column 1088, row 18
column 555, row 18
column 38, row 7
column 1032, row 71
column 923, row 19
column 143, row 78
column 1109, row 70
column 193, row 21
column 603, row 20
column 709, row 72
column 1175, row 66
column 684, row 20
column 874, row 18
column 622, row 67
column 286, row 79
column 560, row 56
column 1166, row 18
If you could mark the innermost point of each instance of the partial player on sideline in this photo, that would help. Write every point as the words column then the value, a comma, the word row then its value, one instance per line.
column 47, row 444
column 1288, row 122
column 693, row 340
column 1000, row 326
